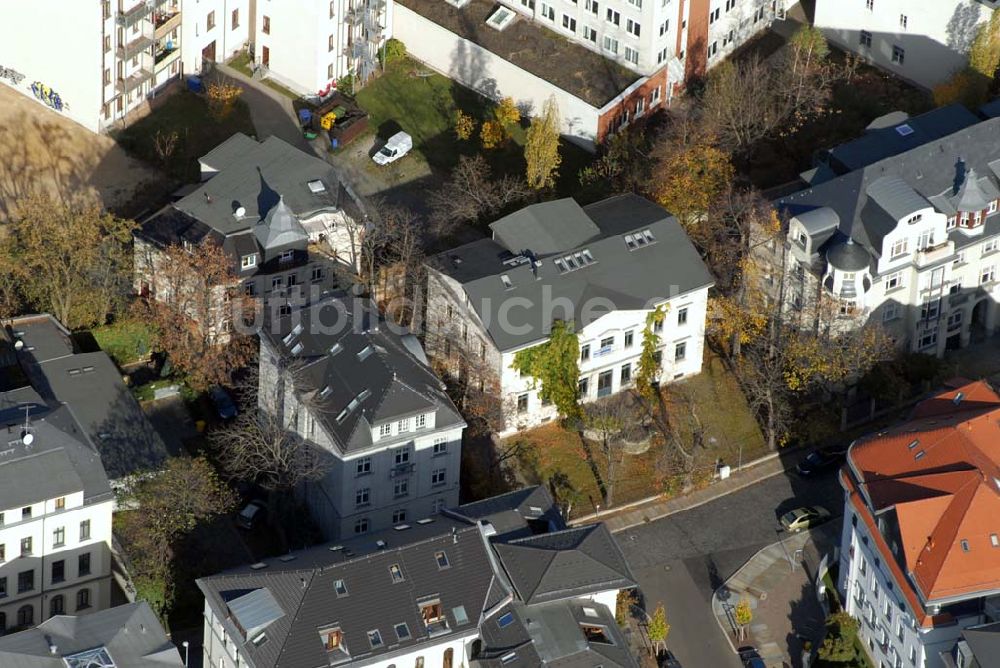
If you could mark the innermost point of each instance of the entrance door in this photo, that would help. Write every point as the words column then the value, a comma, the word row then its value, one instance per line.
column 208, row 53
column 265, row 56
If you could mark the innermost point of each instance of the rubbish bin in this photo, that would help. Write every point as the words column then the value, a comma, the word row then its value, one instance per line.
column 194, row 84
column 305, row 117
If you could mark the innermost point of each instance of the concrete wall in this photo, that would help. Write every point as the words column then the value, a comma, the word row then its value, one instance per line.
column 57, row 47
column 487, row 73
column 935, row 40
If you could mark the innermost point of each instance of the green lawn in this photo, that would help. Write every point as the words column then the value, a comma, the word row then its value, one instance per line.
column 551, row 452
column 125, row 342
column 184, row 115
column 423, row 103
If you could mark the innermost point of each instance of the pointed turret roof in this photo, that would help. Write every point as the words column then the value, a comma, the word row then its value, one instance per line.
column 970, row 196
column 280, row 227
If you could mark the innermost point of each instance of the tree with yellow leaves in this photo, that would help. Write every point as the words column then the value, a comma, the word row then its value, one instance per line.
column 222, row 97
column 743, row 615
column 506, row 112
column 492, row 134
column 465, row 125
column 541, row 148
column 689, row 178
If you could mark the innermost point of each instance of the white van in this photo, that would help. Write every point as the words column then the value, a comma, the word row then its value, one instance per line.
column 398, row 145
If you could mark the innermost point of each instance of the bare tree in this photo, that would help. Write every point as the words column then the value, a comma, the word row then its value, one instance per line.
column 742, row 103
column 473, row 194
column 613, row 423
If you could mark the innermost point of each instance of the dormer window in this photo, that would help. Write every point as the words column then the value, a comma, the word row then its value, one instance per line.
column 286, row 256
column 916, row 218
column 803, row 239
column 978, row 218
column 433, row 615
column 332, row 638
column 385, row 430
column 963, row 221
column 992, row 208
column 952, row 223
column 248, row 261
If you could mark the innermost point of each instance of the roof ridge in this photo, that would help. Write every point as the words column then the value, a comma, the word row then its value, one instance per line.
column 567, row 530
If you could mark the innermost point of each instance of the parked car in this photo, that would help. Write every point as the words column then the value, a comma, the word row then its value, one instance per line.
column 252, row 515
column 225, row 407
column 820, row 460
column 806, row 517
column 668, row 660
column 750, row 657
column 398, row 145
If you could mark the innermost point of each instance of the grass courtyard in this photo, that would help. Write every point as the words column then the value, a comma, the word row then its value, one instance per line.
column 409, row 97
column 555, row 456
column 184, row 118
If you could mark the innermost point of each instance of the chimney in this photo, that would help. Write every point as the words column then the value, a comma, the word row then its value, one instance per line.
column 208, row 198
column 454, row 536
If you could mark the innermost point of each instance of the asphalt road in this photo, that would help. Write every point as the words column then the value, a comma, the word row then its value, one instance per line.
column 681, row 559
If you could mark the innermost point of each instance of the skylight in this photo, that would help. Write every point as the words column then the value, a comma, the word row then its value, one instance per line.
column 336, row 348
column 505, row 620
column 92, row 658
column 375, row 638
column 958, row 398
column 500, row 19
column 340, row 587
column 396, row 572
column 316, row 186
column 639, row 239
column 402, row 631
column 904, row 130
column 297, row 348
column 325, row 392
column 365, row 353
column 505, row 279
column 574, row 261
column 442, row 560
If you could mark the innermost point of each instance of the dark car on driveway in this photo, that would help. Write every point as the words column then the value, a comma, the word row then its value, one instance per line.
column 225, row 407
column 751, row 657
column 821, row 460
column 668, row 660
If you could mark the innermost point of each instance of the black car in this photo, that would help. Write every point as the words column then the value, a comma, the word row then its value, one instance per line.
column 668, row 660
column 820, row 460
column 751, row 657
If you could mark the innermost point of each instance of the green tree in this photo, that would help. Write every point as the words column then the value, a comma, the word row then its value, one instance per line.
column 541, row 148
column 648, row 367
column 556, row 365
column 394, row 51
column 840, row 644
column 984, row 55
column 72, row 261
column 658, row 629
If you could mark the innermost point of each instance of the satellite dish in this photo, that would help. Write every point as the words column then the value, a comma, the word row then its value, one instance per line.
column 27, row 438
column 19, row 344
column 240, row 211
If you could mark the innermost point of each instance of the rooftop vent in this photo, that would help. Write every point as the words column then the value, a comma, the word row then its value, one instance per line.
column 316, row 186
column 380, row 544
column 904, row 130
column 259, row 565
column 914, row 443
column 336, row 548
column 958, row 398
column 426, row 520
column 505, row 279
column 287, row 557
column 401, row 527
column 919, row 455
column 965, row 545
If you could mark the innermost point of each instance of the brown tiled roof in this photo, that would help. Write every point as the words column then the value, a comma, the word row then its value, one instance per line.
column 940, row 473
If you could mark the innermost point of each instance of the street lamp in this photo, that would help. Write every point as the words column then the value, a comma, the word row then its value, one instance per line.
column 186, row 645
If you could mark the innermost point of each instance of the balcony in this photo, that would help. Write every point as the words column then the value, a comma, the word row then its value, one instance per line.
column 129, row 18
column 164, row 57
column 137, row 45
column 354, row 16
column 165, row 22
column 400, row 470
column 134, row 80
column 934, row 254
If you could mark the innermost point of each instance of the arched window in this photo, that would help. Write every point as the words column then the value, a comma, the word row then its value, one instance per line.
column 57, row 606
column 25, row 616
column 82, row 599
column 449, row 655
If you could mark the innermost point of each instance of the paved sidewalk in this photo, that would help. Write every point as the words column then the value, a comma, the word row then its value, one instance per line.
column 779, row 583
column 271, row 112
column 620, row 520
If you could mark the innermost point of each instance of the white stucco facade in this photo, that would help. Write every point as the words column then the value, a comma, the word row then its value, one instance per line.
column 922, row 41
column 97, row 60
column 56, row 559
column 309, row 44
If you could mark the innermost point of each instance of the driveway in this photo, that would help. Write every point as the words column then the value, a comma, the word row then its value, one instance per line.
column 172, row 420
column 682, row 559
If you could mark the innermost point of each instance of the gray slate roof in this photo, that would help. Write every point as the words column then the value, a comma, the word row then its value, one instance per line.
column 476, row 578
column 882, row 140
column 618, row 279
column 549, row 566
column 866, row 199
column 326, row 355
column 91, row 385
column 516, row 514
column 130, row 634
column 984, row 641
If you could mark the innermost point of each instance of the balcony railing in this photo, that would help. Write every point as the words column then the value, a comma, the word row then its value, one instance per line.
column 933, row 254
column 134, row 80
column 166, row 56
column 137, row 45
column 128, row 18
column 165, row 22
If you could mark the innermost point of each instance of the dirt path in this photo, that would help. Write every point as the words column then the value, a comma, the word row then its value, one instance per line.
column 42, row 151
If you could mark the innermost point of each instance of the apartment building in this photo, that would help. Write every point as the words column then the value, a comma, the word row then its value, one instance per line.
column 604, row 267
column 343, row 380
column 497, row 583
column 120, row 637
column 607, row 63
column 309, row 45
column 922, row 41
column 900, row 228
column 96, row 61
column 920, row 552
column 281, row 215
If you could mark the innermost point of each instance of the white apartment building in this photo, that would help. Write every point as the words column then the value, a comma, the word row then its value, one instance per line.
column 494, row 583
column 900, row 226
column 98, row 60
column 919, row 558
column 348, row 385
column 55, row 518
column 922, row 41
column 308, row 45
column 603, row 267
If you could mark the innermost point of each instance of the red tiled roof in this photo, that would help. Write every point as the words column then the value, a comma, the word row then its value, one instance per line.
column 940, row 472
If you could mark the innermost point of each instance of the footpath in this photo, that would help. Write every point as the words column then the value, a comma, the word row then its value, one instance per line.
column 779, row 583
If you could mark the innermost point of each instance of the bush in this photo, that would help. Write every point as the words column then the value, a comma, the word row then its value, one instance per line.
column 394, row 51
